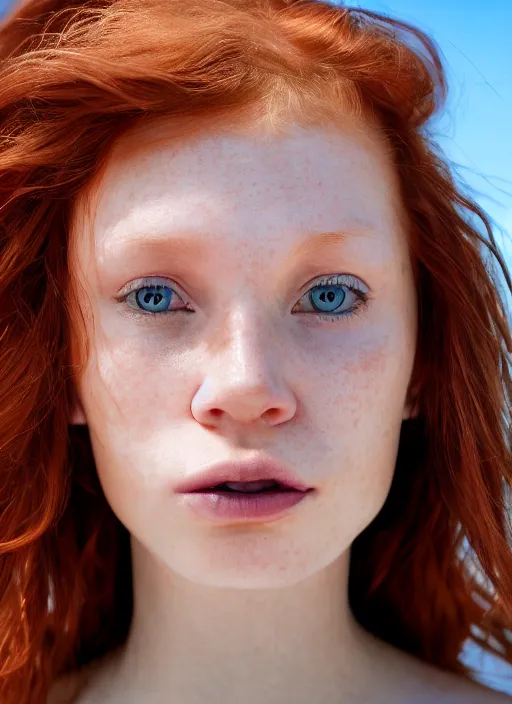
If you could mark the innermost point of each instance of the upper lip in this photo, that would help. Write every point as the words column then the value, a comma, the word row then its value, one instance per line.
column 246, row 470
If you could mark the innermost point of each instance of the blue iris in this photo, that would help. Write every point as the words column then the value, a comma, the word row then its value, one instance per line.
column 157, row 298
column 328, row 298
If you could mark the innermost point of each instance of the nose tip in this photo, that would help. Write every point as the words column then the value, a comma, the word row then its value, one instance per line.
column 236, row 403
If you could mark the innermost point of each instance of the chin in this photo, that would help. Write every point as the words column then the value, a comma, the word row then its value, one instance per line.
column 244, row 561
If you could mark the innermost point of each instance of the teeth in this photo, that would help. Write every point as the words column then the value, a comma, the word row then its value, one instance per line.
column 251, row 487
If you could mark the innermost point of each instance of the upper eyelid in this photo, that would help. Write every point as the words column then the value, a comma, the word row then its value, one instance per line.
column 141, row 282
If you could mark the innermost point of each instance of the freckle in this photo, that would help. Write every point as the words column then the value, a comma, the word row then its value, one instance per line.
column 371, row 363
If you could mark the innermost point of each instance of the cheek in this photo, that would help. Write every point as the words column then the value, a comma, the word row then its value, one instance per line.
column 355, row 412
column 365, row 376
column 138, row 386
column 136, row 401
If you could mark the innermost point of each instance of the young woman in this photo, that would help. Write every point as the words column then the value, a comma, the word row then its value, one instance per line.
column 254, row 363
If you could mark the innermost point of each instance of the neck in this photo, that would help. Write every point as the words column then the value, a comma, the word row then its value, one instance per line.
column 194, row 643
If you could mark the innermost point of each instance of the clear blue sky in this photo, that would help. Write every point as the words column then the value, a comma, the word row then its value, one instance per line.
column 476, row 41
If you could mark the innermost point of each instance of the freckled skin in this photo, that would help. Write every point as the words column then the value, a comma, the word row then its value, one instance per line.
column 243, row 373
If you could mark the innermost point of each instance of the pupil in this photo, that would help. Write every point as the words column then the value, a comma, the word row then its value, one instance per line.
column 327, row 296
column 157, row 298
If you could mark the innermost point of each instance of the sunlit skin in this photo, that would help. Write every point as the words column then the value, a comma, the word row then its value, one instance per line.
column 241, row 226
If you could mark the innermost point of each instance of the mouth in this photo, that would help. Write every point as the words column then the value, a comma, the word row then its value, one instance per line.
column 250, row 487
column 256, row 475
column 252, row 501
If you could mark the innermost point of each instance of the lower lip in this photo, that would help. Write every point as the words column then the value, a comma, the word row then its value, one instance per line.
column 229, row 506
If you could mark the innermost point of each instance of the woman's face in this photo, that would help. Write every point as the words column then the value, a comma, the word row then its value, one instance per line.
column 234, row 357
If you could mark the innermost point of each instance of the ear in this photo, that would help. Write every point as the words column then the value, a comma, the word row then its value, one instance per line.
column 77, row 416
column 410, row 412
column 411, row 407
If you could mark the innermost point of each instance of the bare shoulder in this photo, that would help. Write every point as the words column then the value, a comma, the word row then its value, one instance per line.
column 419, row 682
column 470, row 692
column 448, row 688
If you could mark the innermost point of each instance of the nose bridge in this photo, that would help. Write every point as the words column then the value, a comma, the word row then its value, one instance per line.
column 245, row 350
column 244, row 376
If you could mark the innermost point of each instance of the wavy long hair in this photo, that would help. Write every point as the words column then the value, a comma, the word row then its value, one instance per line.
column 435, row 566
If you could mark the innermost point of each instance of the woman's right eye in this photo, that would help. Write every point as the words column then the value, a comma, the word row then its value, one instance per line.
column 153, row 299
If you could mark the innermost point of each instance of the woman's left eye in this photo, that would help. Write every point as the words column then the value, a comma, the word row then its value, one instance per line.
column 336, row 297
column 331, row 298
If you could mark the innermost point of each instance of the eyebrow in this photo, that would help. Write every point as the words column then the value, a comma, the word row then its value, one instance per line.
column 312, row 244
column 195, row 244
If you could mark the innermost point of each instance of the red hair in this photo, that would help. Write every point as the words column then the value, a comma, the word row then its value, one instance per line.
column 74, row 77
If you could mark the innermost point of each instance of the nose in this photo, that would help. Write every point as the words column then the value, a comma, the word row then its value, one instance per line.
column 245, row 381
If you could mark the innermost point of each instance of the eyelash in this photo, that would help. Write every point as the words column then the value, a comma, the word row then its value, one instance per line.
column 344, row 280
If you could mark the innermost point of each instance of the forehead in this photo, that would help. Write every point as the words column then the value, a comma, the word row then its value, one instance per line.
column 245, row 184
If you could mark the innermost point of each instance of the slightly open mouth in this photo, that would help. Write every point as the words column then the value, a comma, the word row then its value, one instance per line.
column 257, row 487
